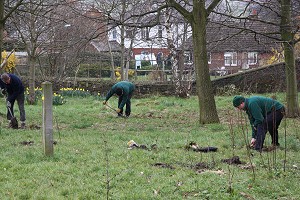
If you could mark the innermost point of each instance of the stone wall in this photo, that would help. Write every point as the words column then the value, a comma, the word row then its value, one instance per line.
column 260, row 80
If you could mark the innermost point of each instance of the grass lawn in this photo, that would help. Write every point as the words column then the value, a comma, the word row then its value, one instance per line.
column 92, row 160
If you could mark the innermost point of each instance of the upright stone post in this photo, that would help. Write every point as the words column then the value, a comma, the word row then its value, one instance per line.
column 47, row 118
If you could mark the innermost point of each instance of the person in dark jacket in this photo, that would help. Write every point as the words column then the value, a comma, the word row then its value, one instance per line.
column 15, row 91
column 124, row 91
column 265, row 114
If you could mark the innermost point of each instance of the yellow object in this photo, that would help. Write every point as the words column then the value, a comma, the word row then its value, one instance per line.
column 132, row 144
column 10, row 63
column 118, row 110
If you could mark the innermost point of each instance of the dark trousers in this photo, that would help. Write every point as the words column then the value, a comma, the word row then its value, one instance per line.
column 127, row 104
column 270, row 124
column 20, row 100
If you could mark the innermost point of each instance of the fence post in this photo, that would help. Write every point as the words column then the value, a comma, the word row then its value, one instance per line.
column 47, row 118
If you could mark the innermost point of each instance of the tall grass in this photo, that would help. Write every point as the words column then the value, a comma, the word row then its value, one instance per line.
column 92, row 160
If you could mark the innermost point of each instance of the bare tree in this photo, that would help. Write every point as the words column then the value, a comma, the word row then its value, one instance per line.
column 280, row 22
column 196, row 13
column 32, row 25
column 6, row 10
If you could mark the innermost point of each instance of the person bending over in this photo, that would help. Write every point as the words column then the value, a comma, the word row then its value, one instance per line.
column 124, row 90
column 15, row 91
column 265, row 115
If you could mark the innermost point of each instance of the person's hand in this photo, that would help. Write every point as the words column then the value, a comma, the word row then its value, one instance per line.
column 104, row 102
column 8, row 104
column 252, row 143
column 118, row 110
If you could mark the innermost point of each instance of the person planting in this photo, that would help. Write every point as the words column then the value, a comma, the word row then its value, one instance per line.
column 124, row 90
column 265, row 114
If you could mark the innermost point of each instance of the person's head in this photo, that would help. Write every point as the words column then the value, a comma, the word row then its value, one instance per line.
column 119, row 91
column 5, row 78
column 239, row 102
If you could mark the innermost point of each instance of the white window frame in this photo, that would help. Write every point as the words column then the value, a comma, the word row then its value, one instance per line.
column 252, row 58
column 209, row 57
column 230, row 58
column 188, row 59
column 114, row 33
column 145, row 33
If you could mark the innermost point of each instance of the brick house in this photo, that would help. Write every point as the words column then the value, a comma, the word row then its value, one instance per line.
column 234, row 47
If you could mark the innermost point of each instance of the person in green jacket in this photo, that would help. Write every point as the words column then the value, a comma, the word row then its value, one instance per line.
column 265, row 114
column 124, row 90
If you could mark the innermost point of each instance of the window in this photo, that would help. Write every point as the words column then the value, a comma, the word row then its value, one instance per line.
column 145, row 33
column 129, row 33
column 252, row 58
column 159, row 32
column 209, row 57
column 230, row 58
column 188, row 57
column 114, row 34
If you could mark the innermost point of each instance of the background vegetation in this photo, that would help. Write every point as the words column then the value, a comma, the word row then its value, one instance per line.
column 92, row 160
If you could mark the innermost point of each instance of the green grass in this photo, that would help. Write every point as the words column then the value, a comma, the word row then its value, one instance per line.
column 92, row 160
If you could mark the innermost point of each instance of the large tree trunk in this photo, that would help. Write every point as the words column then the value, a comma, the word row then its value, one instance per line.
column 290, row 67
column 207, row 105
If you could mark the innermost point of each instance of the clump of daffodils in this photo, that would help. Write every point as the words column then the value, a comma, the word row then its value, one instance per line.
column 77, row 92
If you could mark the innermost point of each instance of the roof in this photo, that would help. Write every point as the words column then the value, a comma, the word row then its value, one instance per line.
column 240, row 37
column 102, row 46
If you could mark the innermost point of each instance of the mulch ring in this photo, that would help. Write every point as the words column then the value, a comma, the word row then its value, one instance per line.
column 235, row 160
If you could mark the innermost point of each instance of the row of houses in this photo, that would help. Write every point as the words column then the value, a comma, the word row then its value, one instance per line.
column 231, row 47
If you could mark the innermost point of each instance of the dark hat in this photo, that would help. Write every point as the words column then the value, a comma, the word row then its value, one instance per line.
column 237, row 100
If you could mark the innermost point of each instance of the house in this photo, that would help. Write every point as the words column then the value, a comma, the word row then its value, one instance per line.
column 242, row 42
column 149, row 42
column 235, row 47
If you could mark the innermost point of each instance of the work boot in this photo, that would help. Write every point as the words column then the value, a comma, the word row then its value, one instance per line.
column 23, row 125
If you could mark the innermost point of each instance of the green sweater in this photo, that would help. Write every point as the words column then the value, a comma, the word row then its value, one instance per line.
column 257, row 108
column 127, row 88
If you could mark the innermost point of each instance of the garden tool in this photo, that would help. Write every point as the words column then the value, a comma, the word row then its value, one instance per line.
column 119, row 115
column 13, row 120
column 111, row 108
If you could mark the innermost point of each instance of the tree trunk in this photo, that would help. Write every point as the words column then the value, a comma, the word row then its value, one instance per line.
column 2, row 22
column 112, row 62
column 290, row 67
column 31, row 80
column 176, row 76
column 207, row 105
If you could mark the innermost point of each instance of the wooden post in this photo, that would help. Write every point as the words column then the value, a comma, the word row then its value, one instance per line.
column 47, row 118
